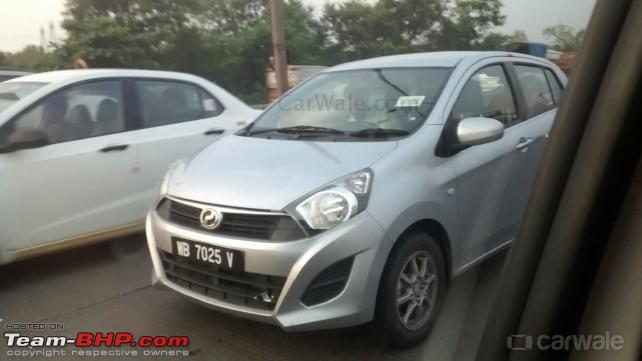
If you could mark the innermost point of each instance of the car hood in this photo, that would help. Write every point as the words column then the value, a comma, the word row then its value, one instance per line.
column 269, row 174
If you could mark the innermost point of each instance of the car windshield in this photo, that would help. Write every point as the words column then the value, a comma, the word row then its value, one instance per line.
column 378, row 102
column 11, row 92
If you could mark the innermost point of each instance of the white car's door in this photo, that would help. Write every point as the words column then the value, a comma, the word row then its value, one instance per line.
column 85, row 181
column 177, row 119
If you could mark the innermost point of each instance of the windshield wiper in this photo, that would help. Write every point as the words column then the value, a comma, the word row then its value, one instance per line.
column 299, row 129
column 379, row 133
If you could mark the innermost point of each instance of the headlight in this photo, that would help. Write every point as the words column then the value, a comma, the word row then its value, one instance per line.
column 337, row 202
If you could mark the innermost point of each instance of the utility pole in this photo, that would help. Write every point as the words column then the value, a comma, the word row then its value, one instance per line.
column 43, row 39
column 278, row 46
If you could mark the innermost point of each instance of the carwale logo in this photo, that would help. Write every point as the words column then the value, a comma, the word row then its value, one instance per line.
column 598, row 342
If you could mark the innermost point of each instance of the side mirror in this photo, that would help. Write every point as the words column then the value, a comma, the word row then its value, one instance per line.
column 476, row 131
column 26, row 138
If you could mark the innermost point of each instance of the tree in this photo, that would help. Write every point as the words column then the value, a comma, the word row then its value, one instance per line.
column 467, row 22
column 357, row 29
column 226, row 41
column 123, row 33
column 518, row 36
column 244, row 53
column 231, row 17
column 31, row 57
column 564, row 37
column 304, row 33
column 497, row 41
column 229, row 42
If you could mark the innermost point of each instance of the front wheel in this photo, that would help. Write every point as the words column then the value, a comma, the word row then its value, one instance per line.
column 412, row 290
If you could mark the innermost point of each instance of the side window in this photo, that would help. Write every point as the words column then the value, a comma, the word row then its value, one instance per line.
column 555, row 85
column 537, row 93
column 83, row 111
column 487, row 94
column 168, row 102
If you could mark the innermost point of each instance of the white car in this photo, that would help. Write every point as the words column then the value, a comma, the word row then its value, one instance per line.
column 8, row 73
column 82, row 151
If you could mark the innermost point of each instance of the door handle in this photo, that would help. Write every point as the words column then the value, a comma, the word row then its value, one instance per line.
column 214, row 131
column 115, row 148
column 524, row 142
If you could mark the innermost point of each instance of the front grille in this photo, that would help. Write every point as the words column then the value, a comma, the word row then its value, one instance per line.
column 277, row 227
column 239, row 288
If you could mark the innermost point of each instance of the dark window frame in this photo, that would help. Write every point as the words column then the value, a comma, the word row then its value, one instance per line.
column 548, row 73
column 137, row 116
column 543, row 68
column 126, row 115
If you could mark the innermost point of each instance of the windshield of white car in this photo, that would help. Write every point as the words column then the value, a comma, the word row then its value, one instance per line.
column 356, row 104
column 11, row 92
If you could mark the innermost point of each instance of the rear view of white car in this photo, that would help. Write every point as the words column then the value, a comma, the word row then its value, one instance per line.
column 81, row 151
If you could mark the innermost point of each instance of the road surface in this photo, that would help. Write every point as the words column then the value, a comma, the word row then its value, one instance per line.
column 90, row 289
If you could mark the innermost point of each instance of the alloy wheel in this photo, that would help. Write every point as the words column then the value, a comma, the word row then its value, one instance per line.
column 417, row 288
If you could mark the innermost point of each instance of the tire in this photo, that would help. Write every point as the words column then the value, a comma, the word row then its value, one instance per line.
column 403, row 329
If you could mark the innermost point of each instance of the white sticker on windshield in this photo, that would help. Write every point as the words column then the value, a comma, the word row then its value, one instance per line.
column 209, row 105
column 410, row 101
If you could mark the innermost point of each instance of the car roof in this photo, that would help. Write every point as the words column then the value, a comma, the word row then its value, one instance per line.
column 86, row 74
column 433, row 59
column 9, row 71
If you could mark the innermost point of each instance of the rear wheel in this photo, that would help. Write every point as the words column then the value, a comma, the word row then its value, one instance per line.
column 412, row 290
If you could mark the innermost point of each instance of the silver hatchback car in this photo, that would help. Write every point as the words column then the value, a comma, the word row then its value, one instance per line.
column 360, row 193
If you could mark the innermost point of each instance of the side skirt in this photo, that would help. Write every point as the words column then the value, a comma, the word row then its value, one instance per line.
column 481, row 258
column 76, row 241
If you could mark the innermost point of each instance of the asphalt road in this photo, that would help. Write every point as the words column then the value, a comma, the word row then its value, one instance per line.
column 90, row 289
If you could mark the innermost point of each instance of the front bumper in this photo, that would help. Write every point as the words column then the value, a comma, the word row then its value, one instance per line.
column 299, row 262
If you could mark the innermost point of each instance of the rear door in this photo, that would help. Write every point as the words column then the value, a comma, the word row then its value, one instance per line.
column 85, row 181
column 540, row 92
column 176, row 119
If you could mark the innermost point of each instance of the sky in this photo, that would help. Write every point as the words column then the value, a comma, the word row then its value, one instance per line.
column 21, row 20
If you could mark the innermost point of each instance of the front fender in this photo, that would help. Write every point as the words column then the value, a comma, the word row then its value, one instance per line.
column 423, row 211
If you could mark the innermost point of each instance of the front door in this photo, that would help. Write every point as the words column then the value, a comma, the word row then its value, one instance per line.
column 540, row 105
column 84, row 182
column 490, row 177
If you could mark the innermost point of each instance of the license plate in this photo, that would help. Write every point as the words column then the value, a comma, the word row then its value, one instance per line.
column 204, row 253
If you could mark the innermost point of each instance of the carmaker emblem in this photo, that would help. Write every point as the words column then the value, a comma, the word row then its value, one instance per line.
column 210, row 218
